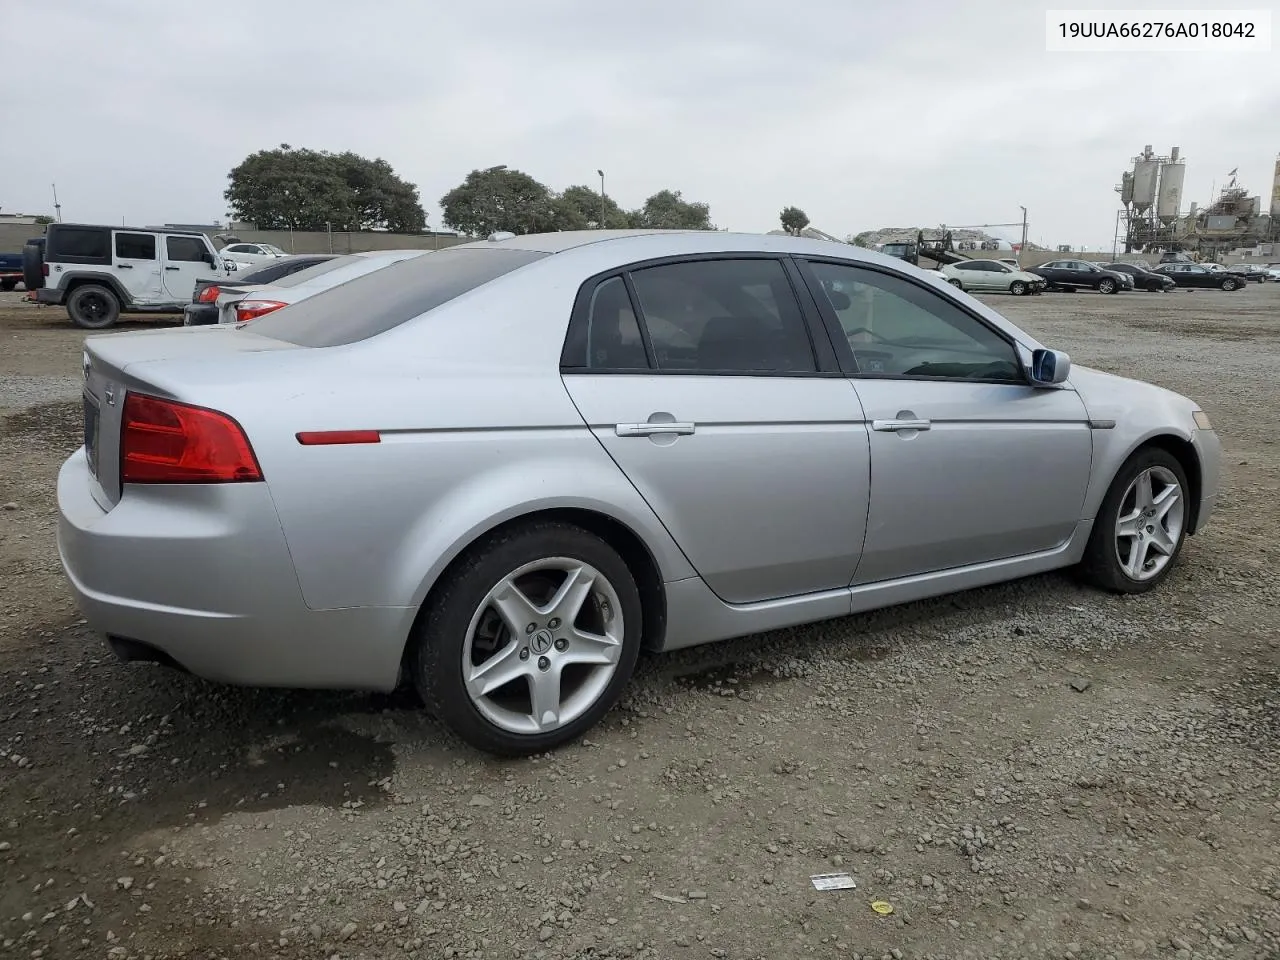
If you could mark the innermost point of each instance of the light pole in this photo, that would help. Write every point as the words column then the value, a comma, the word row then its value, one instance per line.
column 1022, row 249
column 601, row 172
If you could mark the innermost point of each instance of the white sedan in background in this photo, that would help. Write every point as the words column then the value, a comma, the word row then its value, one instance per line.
column 237, row 304
column 247, row 254
column 975, row 276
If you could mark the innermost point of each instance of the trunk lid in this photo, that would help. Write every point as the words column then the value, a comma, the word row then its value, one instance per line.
column 110, row 365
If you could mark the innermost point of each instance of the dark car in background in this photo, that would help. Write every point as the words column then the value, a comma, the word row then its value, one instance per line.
column 1194, row 275
column 1081, row 275
column 1144, row 279
column 10, row 271
column 203, row 309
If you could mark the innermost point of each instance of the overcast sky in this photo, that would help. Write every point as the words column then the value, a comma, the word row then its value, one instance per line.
column 864, row 113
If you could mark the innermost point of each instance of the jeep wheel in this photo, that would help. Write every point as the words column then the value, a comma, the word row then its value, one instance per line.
column 93, row 307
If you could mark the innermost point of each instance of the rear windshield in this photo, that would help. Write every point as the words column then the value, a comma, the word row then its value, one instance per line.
column 386, row 298
column 281, row 268
column 319, row 270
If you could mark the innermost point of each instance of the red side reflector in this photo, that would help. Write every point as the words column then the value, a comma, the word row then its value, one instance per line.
column 322, row 437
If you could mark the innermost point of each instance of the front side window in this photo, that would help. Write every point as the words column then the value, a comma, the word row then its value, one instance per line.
column 184, row 249
column 724, row 316
column 897, row 329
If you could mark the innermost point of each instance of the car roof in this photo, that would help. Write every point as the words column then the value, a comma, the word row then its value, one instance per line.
column 111, row 226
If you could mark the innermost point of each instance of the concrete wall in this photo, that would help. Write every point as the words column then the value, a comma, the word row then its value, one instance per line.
column 13, row 236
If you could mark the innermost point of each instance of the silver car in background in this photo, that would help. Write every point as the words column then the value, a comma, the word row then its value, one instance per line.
column 501, row 470
column 238, row 304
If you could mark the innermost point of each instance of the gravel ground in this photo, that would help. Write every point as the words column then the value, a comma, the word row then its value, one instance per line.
column 1030, row 770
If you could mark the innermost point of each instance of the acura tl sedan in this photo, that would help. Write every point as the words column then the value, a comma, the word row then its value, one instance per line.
column 500, row 471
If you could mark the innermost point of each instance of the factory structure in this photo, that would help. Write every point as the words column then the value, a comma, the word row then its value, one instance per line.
column 1152, row 218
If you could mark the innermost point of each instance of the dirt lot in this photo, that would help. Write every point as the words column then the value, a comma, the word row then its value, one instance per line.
column 1029, row 770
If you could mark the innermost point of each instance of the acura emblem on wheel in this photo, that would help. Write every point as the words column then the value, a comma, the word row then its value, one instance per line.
column 541, row 641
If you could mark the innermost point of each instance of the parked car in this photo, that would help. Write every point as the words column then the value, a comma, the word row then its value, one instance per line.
column 474, row 470
column 1080, row 275
column 238, row 304
column 1127, row 279
column 203, row 309
column 250, row 254
column 1273, row 271
column 1198, row 275
column 99, row 272
column 1143, row 278
column 1239, row 271
column 10, row 271
column 979, row 276
column 1252, row 271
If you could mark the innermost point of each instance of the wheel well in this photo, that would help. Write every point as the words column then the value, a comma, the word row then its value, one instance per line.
column 631, row 548
column 76, row 282
column 1182, row 451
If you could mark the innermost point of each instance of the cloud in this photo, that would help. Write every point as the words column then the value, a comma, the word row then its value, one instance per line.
column 865, row 115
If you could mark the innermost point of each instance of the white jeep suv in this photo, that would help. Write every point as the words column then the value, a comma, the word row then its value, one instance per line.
column 98, row 272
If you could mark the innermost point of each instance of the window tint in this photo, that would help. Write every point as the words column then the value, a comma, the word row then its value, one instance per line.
column 80, row 243
column 896, row 328
column 136, row 246
column 972, row 265
column 239, row 248
column 613, row 336
column 184, row 249
column 277, row 269
column 724, row 315
column 384, row 299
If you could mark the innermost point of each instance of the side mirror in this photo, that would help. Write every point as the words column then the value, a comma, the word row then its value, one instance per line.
column 1049, row 367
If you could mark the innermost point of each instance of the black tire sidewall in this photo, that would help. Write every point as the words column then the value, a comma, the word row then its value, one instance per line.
column 93, row 289
column 439, row 637
column 1100, row 564
column 956, row 283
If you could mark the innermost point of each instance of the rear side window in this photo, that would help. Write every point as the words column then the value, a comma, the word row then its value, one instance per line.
column 184, row 249
column 384, row 299
column 275, row 270
column 136, row 246
column 79, row 245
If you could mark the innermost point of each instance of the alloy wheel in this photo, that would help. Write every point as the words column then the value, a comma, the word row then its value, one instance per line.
column 1150, row 523
column 543, row 645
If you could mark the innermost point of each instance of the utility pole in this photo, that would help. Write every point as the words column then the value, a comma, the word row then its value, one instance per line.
column 602, row 201
column 1022, row 248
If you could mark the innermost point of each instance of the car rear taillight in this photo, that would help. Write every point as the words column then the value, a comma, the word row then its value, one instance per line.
column 44, row 269
column 163, row 441
column 250, row 309
column 207, row 295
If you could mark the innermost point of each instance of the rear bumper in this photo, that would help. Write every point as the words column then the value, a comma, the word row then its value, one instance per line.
column 203, row 575
column 45, row 295
column 199, row 314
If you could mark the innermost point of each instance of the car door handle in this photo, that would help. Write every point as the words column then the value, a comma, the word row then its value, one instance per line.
column 893, row 426
column 173, row 268
column 124, row 266
column 653, row 429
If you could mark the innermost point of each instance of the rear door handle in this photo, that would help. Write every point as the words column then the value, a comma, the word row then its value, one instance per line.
column 893, row 426
column 653, row 429
column 124, row 266
column 173, row 268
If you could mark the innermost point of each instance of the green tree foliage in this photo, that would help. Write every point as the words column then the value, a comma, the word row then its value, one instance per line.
column 794, row 220
column 499, row 199
column 44, row 218
column 310, row 189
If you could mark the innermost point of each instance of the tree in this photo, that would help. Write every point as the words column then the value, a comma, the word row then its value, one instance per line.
column 668, row 210
column 794, row 220
column 861, row 240
column 303, row 189
column 582, row 208
column 500, row 199
column 44, row 219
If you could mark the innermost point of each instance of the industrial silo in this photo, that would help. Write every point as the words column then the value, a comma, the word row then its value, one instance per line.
column 1145, row 172
column 1126, row 186
column 1170, row 198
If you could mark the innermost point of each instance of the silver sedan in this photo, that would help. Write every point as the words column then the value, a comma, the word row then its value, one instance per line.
column 500, row 471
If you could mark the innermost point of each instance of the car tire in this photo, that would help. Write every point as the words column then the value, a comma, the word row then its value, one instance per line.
column 33, row 266
column 1229, row 284
column 1018, row 288
column 461, row 621
column 93, row 307
column 1107, row 285
column 8, row 286
column 1116, row 525
column 956, row 283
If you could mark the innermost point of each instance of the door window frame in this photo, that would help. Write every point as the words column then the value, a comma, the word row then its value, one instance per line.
column 573, row 354
column 844, row 352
